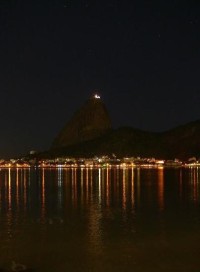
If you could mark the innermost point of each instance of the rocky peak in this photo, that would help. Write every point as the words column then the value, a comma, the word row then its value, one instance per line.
column 90, row 121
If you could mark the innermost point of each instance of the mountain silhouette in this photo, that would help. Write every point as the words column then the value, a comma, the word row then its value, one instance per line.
column 89, row 133
column 89, row 122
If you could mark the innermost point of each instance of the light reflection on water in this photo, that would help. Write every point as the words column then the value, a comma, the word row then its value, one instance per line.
column 100, row 219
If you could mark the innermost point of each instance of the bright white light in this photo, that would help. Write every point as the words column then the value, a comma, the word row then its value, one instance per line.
column 97, row 96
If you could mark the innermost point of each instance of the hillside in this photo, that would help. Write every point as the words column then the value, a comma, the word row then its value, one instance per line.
column 89, row 133
column 181, row 142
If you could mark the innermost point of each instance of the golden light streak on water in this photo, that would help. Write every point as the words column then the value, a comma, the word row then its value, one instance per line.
column 138, row 186
column 132, row 188
column 25, row 188
column 91, row 180
column 95, row 233
column 17, row 188
column 74, row 187
column 194, row 182
column 117, row 182
column 103, row 186
column 9, row 207
column 160, row 189
column 99, row 172
column 197, row 186
column 87, row 184
column 124, row 189
column 9, row 190
column 107, row 186
column 82, row 184
column 43, row 196
column 60, row 187
column 69, row 181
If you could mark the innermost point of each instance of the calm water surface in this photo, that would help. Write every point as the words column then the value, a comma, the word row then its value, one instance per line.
column 141, row 220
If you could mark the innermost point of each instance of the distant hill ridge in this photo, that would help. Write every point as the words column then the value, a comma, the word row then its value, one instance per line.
column 89, row 133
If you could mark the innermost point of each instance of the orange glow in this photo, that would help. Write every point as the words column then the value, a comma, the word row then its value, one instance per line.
column 132, row 188
column 124, row 189
column 43, row 208
column 161, row 188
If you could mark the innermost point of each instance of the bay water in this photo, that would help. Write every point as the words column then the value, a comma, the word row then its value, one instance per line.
column 103, row 219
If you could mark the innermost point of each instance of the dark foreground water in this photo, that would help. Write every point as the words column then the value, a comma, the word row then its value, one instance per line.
column 140, row 220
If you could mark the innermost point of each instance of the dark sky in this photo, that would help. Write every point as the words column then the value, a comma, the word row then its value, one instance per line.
column 142, row 56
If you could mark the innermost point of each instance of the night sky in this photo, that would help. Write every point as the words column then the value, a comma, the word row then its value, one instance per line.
column 143, row 57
